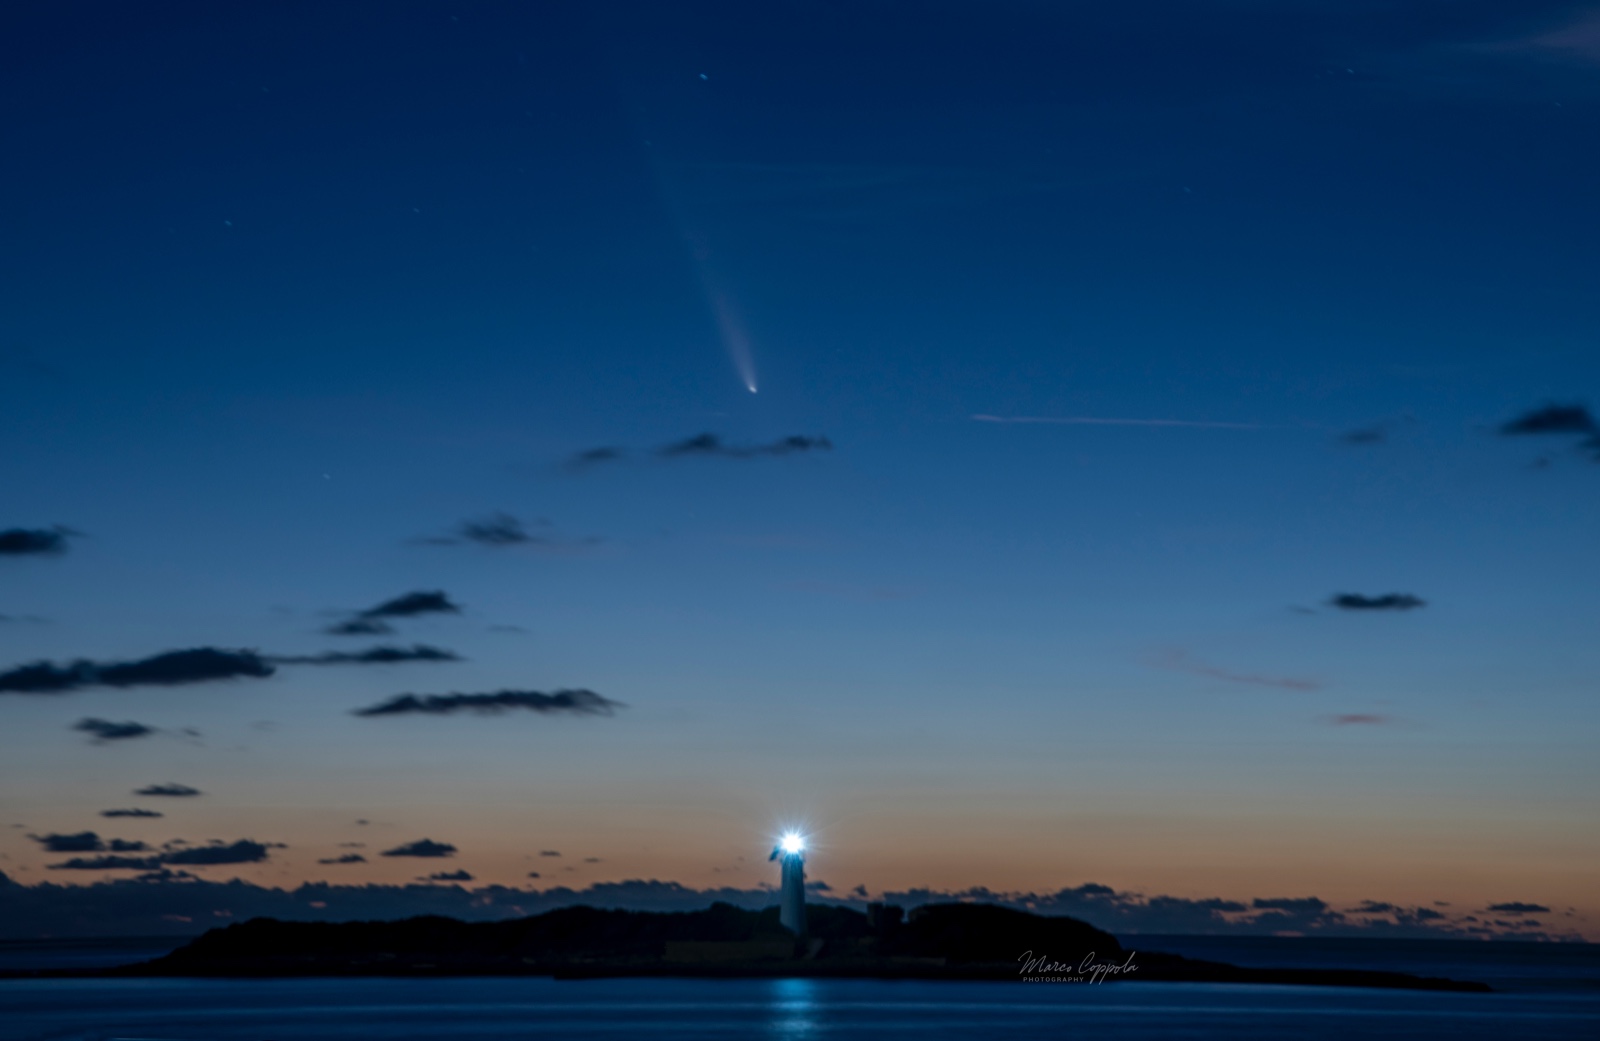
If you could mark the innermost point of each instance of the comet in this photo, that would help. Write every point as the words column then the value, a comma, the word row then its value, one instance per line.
column 730, row 324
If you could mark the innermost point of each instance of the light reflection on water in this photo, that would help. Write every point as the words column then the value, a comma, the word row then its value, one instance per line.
column 794, row 1008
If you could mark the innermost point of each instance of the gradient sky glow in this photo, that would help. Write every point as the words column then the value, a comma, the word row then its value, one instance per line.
column 289, row 292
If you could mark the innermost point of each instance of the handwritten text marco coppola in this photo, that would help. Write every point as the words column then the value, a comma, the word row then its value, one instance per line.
column 1040, row 969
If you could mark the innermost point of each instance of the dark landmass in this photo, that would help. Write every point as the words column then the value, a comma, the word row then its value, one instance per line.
column 936, row 941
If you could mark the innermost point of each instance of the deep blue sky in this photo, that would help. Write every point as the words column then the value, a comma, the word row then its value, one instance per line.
column 287, row 290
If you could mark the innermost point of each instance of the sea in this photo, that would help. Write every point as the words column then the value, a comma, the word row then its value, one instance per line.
column 1541, row 991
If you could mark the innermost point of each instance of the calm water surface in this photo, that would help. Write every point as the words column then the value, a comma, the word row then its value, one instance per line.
column 273, row 1010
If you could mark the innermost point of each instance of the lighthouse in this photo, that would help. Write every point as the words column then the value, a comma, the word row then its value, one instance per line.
column 791, row 856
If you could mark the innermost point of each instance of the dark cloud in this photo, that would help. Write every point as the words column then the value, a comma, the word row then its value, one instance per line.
column 422, row 848
column 591, row 860
column 593, row 457
column 172, row 790
column 45, row 678
column 1518, row 907
column 1386, row 916
column 360, row 627
column 502, row 531
column 168, row 875
column 131, row 813
column 1359, row 719
column 244, row 851
column 345, row 858
column 107, row 863
column 1365, row 436
column 533, row 874
column 580, row 702
column 410, row 605
column 382, row 655
column 22, row 542
column 1292, row 905
column 1385, row 602
column 105, row 730
column 1553, row 419
column 549, row 853
column 174, row 668
column 87, row 842
column 702, row 444
column 196, row 665
column 1376, row 433
column 450, row 876
column 80, row 842
column 706, row 445
column 713, row 445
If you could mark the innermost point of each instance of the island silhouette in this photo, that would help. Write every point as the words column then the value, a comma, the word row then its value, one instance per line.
column 951, row 941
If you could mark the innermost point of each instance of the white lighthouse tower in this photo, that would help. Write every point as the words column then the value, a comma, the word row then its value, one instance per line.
column 791, row 854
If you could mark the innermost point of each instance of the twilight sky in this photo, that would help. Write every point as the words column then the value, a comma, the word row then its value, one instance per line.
column 1171, row 464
